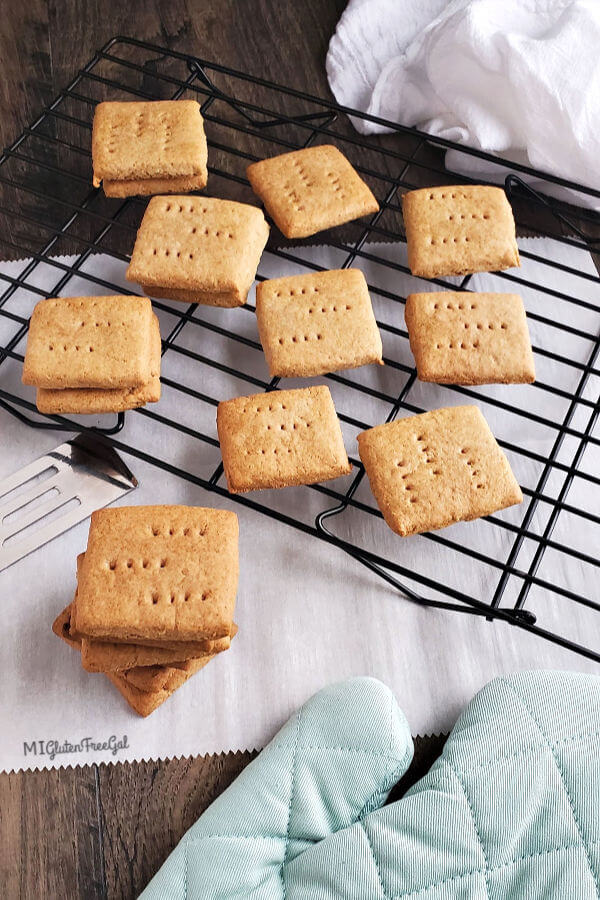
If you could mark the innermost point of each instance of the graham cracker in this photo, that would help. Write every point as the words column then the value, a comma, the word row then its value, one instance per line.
column 140, row 147
column 161, row 573
column 115, row 655
column 308, row 190
column 89, row 342
column 161, row 678
column 209, row 249
column 224, row 299
column 145, row 702
column 431, row 470
column 317, row 323
column 111, row 656
column 104, row 656
column 280, row 439
column 96, row 401
column 147, row 186
column 459, row 229
column 469, row 338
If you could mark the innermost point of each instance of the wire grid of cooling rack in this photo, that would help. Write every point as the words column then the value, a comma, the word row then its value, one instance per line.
column 49, row 208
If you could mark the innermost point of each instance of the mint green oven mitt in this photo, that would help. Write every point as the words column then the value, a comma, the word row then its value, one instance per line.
column 511, row 809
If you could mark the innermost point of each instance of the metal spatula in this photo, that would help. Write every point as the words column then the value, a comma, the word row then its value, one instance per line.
column 55, row 492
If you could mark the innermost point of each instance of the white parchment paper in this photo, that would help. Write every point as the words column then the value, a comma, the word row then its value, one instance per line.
column 308, row 615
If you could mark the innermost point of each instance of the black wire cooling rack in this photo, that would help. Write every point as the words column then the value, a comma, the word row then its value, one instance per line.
column 529, row 565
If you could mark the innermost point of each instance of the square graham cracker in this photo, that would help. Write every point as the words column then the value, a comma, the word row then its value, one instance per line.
column 164, row 573
column 144, row 703
column 459, row 229
column 76, row 401
column 149, row 147
column 468, row 338
column 317, row 323
column 110, row 656
column 198, row 249
column 308, row 190
column 89, row 342
column 280, row 439
column 431, row 470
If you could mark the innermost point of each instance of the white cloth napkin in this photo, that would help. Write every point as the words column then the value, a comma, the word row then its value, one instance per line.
column 517, row 78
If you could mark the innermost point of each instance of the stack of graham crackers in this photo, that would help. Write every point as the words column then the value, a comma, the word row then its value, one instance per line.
column 93, row 354
column 155, row 597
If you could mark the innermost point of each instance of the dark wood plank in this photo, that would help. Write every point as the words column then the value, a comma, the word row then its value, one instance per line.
column 51, row 840
column 427, row 749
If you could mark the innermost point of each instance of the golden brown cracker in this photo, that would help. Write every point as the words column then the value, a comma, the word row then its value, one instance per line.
column 162, row 573
column 459, row 229
column 138, row 146
column 95, row 401
column 281, row 438
column 145, row 702
column 111, row 656
column 198, row 249
column 144, row 187
column 431, row 470
column 317, row 323
column 61, row 628
column 117, row 655
column 158, row 678
column 224, row 299
column 469, row 338
column 89, row 342
column 145, row 689
column 308, row 190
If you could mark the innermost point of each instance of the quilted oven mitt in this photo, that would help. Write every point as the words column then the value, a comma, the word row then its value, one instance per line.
column 511, row 809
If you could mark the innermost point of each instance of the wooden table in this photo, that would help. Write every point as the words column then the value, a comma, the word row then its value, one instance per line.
column 102, row 831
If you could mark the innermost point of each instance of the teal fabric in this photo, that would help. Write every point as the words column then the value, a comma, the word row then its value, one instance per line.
column 510, row 810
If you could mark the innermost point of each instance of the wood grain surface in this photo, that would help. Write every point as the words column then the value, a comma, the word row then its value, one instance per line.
column 103, row 831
